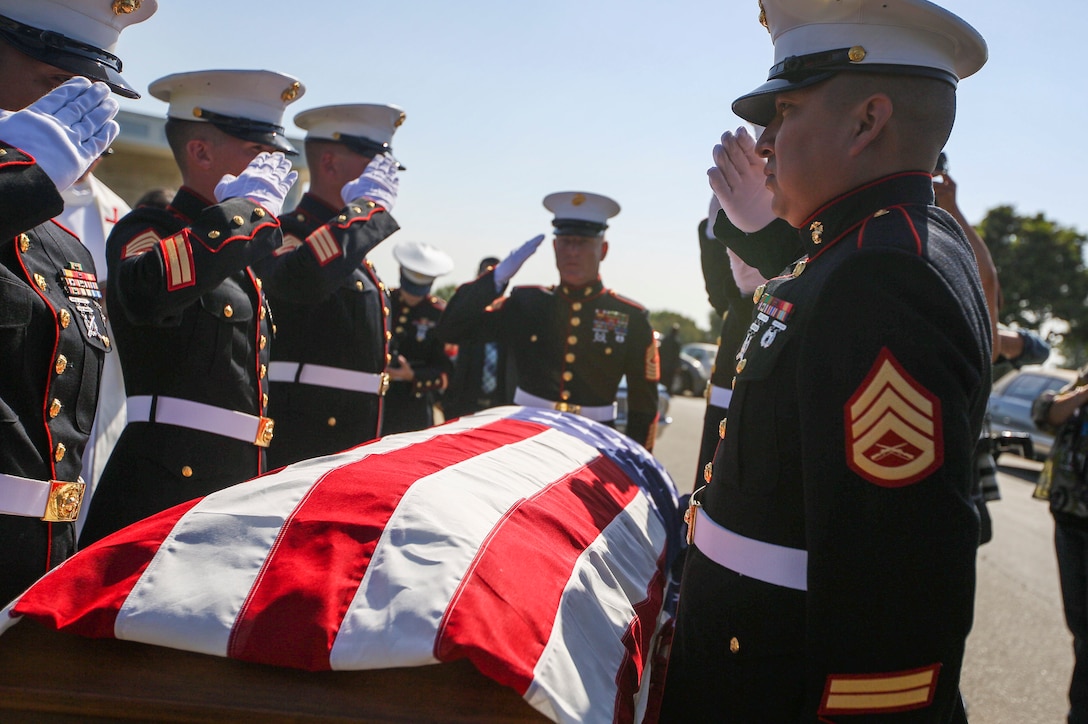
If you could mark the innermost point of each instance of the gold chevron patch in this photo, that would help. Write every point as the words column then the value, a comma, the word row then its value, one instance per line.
column 879, row 693
column 178, row 257
column 141, row 244
column 893, row 427
column 324, row 245
column 290, row 243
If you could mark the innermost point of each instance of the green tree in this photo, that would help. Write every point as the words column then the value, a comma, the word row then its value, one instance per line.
column 1041, row 266
column 444, row 292
column 663, row 320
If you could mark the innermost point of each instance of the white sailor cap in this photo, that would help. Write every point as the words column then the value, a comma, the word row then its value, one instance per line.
column 579, row 213
column 365, row 128
column 423, row 260
column 74, row 35
column 247, row 104
column 814, row 39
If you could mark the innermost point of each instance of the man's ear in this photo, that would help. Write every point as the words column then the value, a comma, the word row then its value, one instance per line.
column 871, row 117
column 199, row 152
column 604, row 249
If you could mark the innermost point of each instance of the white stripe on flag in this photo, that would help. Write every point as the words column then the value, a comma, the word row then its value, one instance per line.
column 190, row 594
column 596, row 611
column 397, row 609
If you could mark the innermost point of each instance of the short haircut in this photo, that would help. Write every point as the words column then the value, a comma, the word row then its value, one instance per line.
column 179, row 133
column 924, row 108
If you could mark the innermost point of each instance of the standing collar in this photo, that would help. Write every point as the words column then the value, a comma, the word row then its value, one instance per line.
column 837, row 217
column 315, row 208
column 189, row 204
column 579, row 293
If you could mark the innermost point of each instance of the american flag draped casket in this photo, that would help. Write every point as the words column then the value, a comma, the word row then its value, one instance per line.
column 535, row 544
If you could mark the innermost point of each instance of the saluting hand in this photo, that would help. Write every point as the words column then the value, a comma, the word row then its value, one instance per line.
column 65, row 130
column 265, row 181
column 739, row 183
column 508, row 267
column 378, row 183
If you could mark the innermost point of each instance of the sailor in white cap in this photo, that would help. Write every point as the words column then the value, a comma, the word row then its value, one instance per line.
column 328, row 369
column 421, row 369
column 572, row 342
column 831, row 574
column 193, row 328
column 57, row 69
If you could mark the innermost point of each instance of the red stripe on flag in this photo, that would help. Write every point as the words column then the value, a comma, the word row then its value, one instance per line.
column 502, row 614
column 85, row 600
column 300, row 597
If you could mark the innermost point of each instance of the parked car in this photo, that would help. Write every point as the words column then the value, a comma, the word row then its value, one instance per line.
column 691, row 377
column 663, row 418
column 1009, row 409
column 704, row 352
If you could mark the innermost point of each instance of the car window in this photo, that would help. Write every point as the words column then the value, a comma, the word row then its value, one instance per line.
column 1028, row 387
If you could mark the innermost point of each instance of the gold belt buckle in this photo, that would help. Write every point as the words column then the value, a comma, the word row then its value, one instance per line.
column 264, row 432
column 383, row 387
column 568, row 407
column 64, row 501
column 691, row 512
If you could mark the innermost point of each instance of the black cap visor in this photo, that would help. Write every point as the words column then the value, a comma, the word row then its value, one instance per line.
column 366, row 147
column 578, row 227
column 267, row 134
column 758, row 106
column 62, row 52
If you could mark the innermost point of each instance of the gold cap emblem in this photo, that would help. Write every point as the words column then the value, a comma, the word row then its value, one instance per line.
column 399, row 121
column 763, row 16
column 291, row 93
column 124, row 7
column 578, row 199
column 817, row 229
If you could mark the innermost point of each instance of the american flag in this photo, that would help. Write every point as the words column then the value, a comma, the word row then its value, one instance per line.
column 536, row 544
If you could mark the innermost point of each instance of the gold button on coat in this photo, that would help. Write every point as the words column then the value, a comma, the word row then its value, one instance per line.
column 24, row 243
column 58, row 454
column 62, row 364
column 332, row 422
column 708, row 472
column 734, row 645
column 186, row 471
column 213, row 234
column 264, row 341
column 577, row 306
column 359, row 285
column 721, row 428
column 564, row 395
column 572, row 340
column 568, row 375
column 228, row 311
column 569, row 357
column 575, row 321
column 741, row 365
column 237, row 221
column 65, row 318
column 54, row 408
column 264, row 371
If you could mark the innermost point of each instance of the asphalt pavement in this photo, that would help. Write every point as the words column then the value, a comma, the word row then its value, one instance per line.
column 1019, row 654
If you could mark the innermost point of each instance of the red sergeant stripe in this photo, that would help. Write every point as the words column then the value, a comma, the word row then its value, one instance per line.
column 502, row 615
column 307, row 583
column 86, row 598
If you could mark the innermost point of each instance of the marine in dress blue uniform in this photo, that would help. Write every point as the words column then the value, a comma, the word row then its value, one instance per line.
column 331, row 309
column 53, row 336
column 192, row 322
column 831, row 576
column 573, row 342
column 421, row 368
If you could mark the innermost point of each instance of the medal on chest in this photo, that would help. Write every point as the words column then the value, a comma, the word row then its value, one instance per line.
column 607, row 320
column 772, row 315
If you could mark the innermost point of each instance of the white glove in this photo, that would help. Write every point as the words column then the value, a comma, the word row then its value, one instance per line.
column 378, row 183
column 65, row 130
column 266, row 181
column 739, row 183
column 508, row 267
column 712, row 215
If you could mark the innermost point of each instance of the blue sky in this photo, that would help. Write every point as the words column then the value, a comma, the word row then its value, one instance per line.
column 507, row 102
